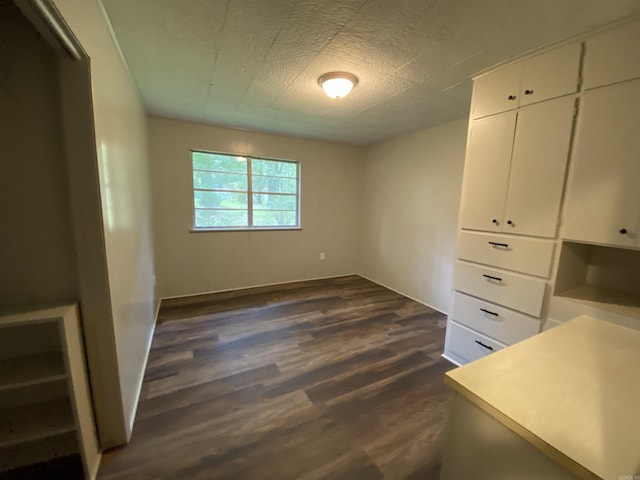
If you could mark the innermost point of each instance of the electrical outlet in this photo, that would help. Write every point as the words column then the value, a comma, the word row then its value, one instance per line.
column 322, row 256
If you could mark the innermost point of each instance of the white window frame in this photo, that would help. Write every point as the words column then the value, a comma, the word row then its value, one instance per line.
column 249, row 192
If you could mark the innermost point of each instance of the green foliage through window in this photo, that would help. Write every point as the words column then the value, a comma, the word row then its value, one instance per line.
column 232, row 191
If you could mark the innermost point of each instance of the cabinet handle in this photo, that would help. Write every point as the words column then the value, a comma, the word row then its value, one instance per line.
column 511, row 97
column 528, row 92
column 496, row 244
column 623, row 231
column 509, row 222
column 495, row 221
column 483, row 345
column 497, row 279
column 489, row 312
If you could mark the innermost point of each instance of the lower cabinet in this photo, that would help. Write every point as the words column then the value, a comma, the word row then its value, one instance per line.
column 499, row 289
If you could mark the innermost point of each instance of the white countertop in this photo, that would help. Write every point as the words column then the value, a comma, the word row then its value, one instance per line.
column 572, row 392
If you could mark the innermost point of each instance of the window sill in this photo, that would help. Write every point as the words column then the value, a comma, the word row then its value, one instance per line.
column 266, row 229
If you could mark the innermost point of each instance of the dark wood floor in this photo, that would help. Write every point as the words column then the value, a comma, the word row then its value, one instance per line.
column 326, row 379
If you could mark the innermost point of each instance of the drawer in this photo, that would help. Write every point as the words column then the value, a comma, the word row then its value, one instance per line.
column 464, row 345
column 504, row 325
column 509, row 289
column 526, row 255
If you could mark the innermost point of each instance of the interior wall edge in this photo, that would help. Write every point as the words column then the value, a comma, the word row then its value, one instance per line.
column 402, row 293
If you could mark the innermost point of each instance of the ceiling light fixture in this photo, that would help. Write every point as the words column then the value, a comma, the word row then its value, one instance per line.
column 337, row 84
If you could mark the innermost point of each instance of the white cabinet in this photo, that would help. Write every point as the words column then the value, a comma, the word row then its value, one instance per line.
column 514, row 176
column 538, row 167
column 527, row 81
column 486, row 172
column 612, row 56
column 603, row 200
column 496, row 91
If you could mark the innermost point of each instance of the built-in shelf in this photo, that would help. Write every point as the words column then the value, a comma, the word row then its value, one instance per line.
column 602, row 282
column 32, row 370
column 34, row 422
column 603, row 298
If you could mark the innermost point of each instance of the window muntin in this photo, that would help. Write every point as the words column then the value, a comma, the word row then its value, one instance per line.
column 239, row 192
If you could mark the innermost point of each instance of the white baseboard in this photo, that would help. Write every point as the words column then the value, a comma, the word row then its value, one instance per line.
column 144, row 369
column 258, row 286
column 449, row 359
column 402, row 293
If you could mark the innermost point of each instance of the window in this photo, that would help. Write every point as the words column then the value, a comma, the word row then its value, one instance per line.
column 237, row 192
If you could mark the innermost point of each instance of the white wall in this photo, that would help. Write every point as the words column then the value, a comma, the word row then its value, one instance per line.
column 37, row 254
column 120, row 137
column 189, row 263
column 411, row 196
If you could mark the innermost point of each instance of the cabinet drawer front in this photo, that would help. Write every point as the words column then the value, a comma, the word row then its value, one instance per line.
column 612, row 56
column 467, row 344
column 509, row 289
column 504, row 325
column 526, row 255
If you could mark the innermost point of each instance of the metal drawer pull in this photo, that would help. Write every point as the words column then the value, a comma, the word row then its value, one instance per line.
column 483, row 345
column 497, row 279
column 496, row 244
column 489, row 312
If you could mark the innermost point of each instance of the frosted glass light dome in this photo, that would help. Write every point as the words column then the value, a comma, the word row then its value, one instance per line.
column 337, row 84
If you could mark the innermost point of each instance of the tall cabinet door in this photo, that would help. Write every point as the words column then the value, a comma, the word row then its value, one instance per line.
column 603, row 200
column 538, row 168
column 486, row 172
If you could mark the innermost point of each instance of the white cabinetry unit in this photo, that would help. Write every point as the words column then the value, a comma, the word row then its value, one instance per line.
column 527, row 81
column 514, row 176
column 603, row 200
column 45, row 404
column 517, row 153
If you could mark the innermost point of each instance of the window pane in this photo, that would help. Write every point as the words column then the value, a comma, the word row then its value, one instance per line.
column 263, row 201
column 221, row 218
column 221, row 181
column 274, row 219
column 274, row 167
column 204, row 199
column 215, row 161
column 274, row 184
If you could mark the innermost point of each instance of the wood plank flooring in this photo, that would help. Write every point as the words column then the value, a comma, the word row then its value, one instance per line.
column 325, row 379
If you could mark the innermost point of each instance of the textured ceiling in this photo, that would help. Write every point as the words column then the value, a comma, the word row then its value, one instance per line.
column 255, row 63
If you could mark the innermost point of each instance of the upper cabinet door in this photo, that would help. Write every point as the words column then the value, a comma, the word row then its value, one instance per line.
column 603, row 200
column 613, row 56
column 496, row 91
column 486, row 172
column 550, row 74
column 538, row 168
